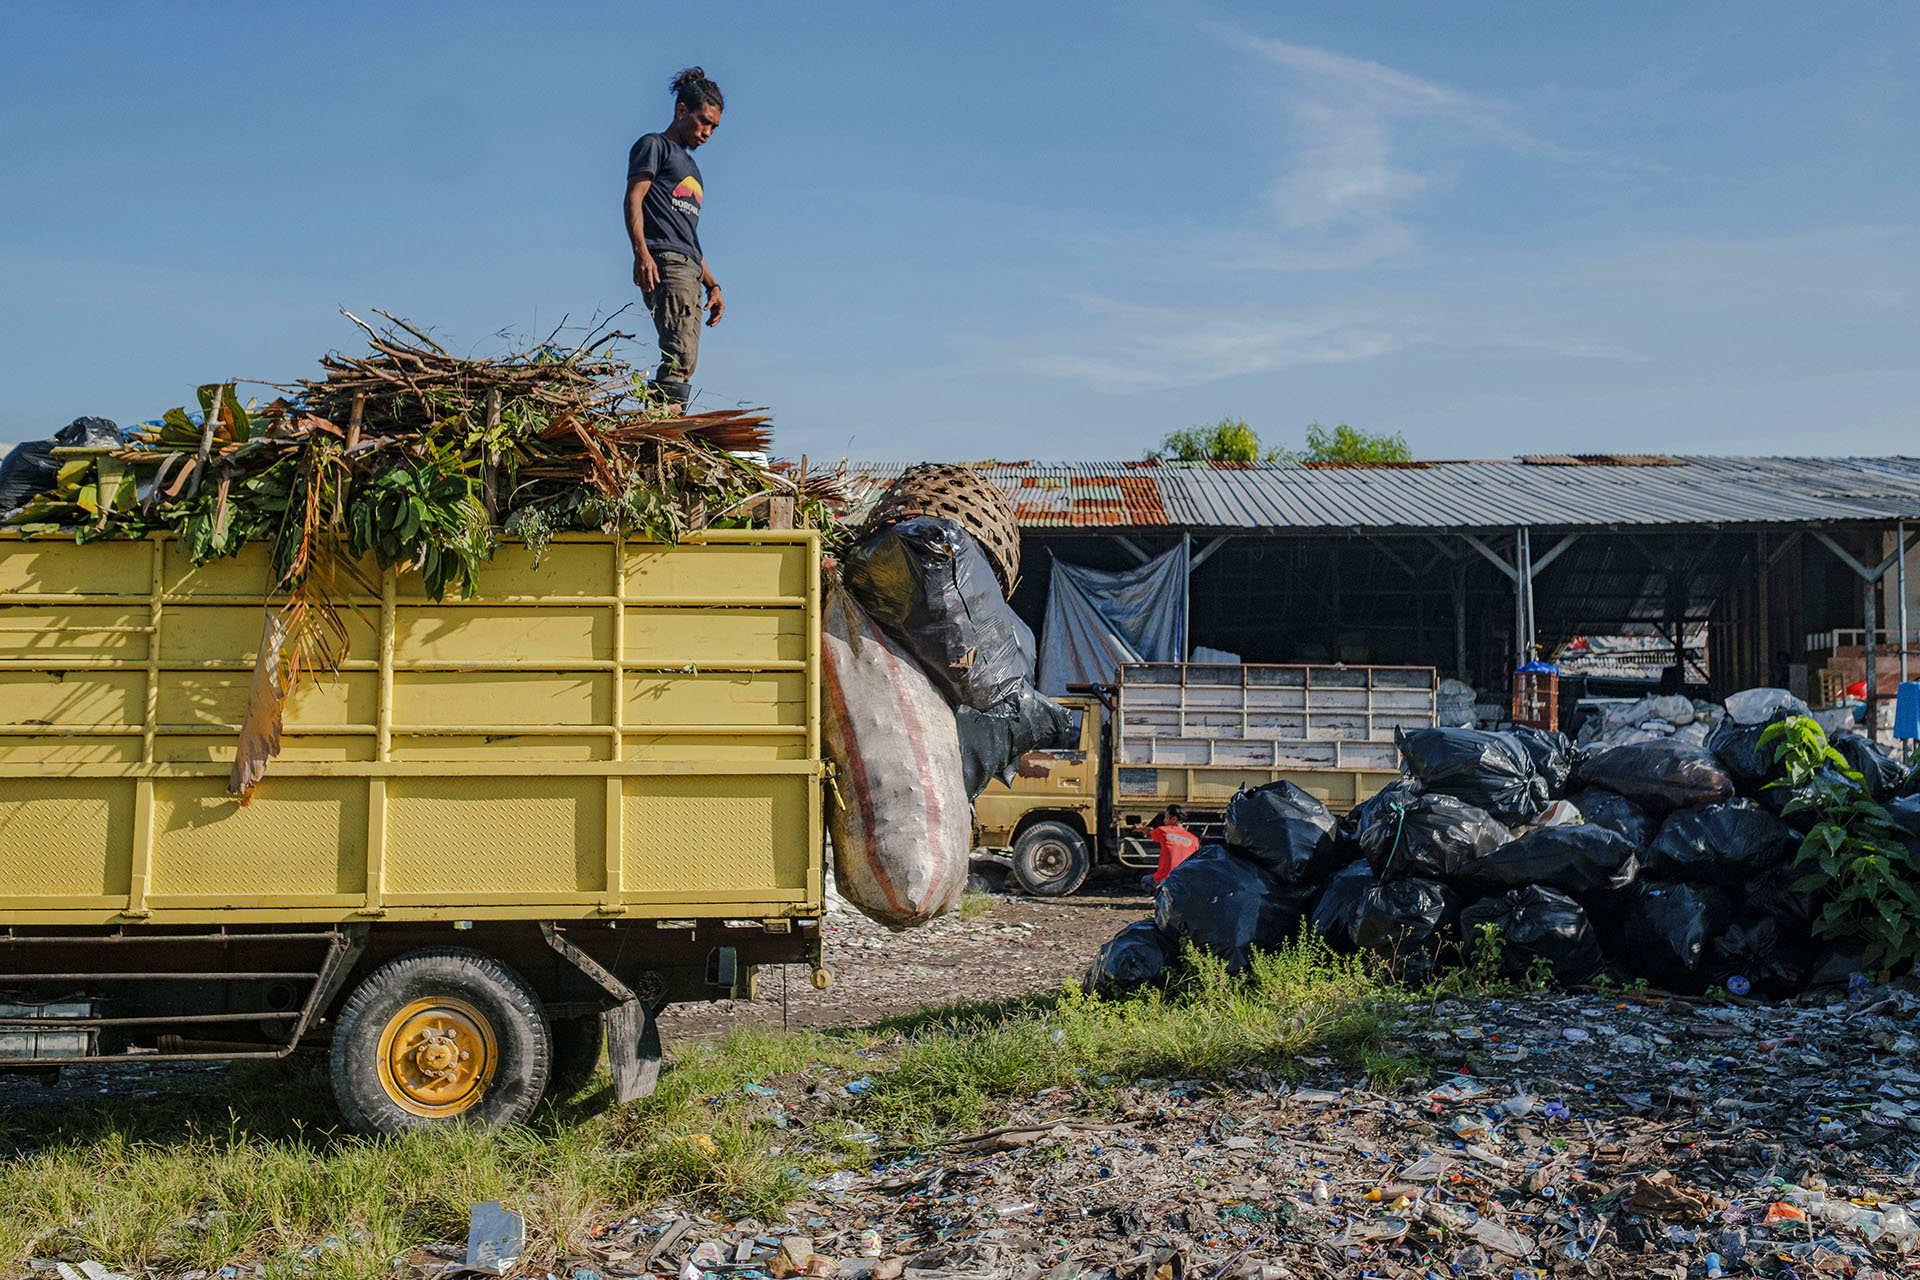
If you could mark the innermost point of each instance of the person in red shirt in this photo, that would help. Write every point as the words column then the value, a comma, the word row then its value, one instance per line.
column 1177, row 844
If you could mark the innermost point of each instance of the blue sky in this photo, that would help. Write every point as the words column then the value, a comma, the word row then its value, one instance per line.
column 1008, row 230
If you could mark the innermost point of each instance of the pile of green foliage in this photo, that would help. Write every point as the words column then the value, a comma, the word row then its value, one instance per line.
column 1856, row 858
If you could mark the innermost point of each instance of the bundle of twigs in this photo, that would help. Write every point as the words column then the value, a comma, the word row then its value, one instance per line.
column 407, row 385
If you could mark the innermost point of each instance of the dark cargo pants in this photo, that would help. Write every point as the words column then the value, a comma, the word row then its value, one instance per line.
column 676, row 307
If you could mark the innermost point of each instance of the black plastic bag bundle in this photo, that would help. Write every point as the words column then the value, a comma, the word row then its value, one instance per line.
column 1880, row 771
column 1553, row 755
column 1227, row 906
column 1284, row 829
column 1583, row 860
column 928, row 584
column 1724, row 844
column 1332, row 916
column 1837, row 964
column 1669, row 927
column 1661, row 776
column 1368, row 811
column 1905, row 812
column 1429, row 834
column 1135, row 956
column 1737, row 748
column 1614, row 811
column 1773, row 895
column 1538, row 923
column 1490, row 771
column 1778, row 796
column 31, row 469
column 1409, row 921
column 1909, row 785
column 992, row 742
column 1758, row 950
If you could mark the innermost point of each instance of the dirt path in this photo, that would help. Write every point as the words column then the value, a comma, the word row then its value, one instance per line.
column 1019, row 946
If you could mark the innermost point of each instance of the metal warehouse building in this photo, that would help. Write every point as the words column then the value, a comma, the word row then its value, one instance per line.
column 1792, row 563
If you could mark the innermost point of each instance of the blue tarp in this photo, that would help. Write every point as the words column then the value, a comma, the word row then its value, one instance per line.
column 1097, row 619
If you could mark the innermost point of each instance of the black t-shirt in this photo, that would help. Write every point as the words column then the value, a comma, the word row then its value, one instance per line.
column 672, row 204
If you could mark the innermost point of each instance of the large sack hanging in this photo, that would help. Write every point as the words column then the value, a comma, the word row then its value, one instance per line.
column 898, row 812
column 933, row 589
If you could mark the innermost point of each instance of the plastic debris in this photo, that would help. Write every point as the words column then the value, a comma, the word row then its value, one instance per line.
column 496, row 1239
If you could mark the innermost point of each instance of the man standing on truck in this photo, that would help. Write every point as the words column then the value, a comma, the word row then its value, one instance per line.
column 664, row 196
column 1177, row 844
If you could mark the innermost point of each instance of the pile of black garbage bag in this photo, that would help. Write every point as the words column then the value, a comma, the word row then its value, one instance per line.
column 1656, row 860
column 927, row 584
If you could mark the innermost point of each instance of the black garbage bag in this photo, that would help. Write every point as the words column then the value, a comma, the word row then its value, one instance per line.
column 1614, row 811
column 1661, row 776
column 1839, row 964
column 1430, row 834
column 1905, row 812
column 1669, row 927
column 1758, row 951
column 928, row 584
column 1228, row 906
column 1368, row 811
column 1583, row 860
column 1410, row 921
column 1779, row 797
column 1737, row 747
column 1773, row 894
column 1725, row 844
column 1881, row 773
column 31, row 469
column 1553, row 755
column 1490, row 771
column 992, row 742
column 1909, row 785
column 1538, row 923
column 1332, row 916
column 1284, row 829
column 1135, row 956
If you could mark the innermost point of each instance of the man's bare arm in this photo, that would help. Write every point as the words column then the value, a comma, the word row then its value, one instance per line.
column 716, row 302
column 646, row 272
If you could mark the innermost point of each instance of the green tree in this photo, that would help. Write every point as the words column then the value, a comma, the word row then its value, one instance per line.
column 1228, row 440
column 1344, row 444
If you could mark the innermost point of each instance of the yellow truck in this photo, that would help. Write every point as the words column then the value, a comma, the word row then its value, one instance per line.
column 1192, row 734
column 509, row 828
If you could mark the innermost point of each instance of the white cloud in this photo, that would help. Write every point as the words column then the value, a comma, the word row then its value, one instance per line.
column 1350, row 164
column 1154, row 348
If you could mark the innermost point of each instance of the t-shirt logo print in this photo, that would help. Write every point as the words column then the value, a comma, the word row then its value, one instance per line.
column 687, row 191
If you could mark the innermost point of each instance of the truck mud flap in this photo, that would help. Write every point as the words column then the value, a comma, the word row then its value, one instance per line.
column 633, row 1050
column 633, row 1037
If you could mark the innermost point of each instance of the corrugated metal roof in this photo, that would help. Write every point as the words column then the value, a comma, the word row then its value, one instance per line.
column 1455, row 495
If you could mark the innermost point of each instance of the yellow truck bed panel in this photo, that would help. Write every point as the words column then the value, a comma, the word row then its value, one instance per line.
column 625, row 730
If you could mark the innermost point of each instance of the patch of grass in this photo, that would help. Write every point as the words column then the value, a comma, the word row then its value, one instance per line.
column 229, row 1167
column 1204, row 1022
column 209, row 1175
column 974, row 904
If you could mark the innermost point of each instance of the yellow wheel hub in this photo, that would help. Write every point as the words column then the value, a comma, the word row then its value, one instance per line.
column 437, row 1056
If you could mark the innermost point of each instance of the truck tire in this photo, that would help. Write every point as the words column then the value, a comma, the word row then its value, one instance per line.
column 576, row 1052
column 1051, row 859
column 440, row 1037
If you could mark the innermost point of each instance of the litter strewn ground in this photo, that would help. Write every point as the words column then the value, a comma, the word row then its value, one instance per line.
column 1610, row 1135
